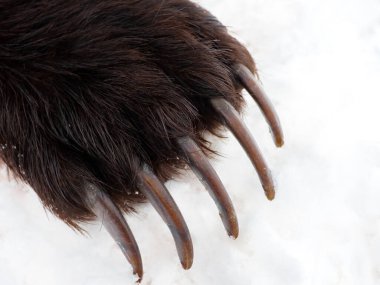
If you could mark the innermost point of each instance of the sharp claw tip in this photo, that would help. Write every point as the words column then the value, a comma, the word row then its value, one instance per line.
column 139, row 275
column 233, row 235
column 233, row 230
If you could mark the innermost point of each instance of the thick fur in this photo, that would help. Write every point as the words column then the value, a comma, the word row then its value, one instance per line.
column 91, row 89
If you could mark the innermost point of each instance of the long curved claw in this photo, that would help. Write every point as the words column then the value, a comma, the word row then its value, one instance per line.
column 164, row 204
column 207, row 175
column 117, row 227
column 249, row 82
column 240, row 131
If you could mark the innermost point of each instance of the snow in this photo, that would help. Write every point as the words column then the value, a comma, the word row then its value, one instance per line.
column 320, row 64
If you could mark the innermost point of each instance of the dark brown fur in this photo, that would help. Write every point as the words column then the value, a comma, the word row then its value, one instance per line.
column 91, row 89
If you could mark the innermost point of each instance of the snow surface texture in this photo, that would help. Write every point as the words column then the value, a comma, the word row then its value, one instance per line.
column 320, row 64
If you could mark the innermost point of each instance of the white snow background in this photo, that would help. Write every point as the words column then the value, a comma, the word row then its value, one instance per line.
column 319, row 62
